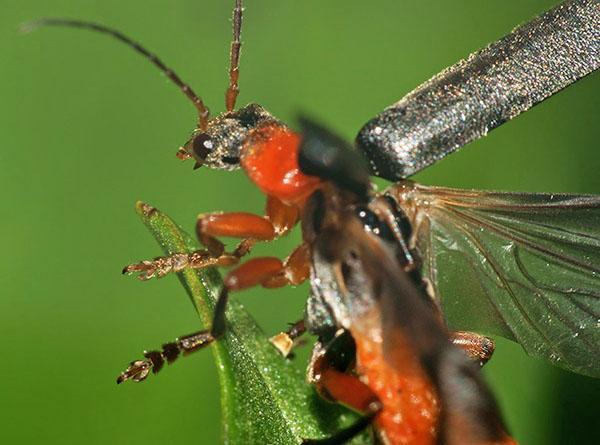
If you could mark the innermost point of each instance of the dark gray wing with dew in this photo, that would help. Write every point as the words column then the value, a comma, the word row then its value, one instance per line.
column 525, row 266
column 490, row 87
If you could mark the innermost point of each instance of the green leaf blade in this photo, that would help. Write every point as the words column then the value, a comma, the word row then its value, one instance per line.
column 264, row 397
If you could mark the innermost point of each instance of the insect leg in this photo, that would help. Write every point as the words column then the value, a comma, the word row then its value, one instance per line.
column 242, row 225
column 256, row 271
column 284, row 341
column 296, row 329
column 161, row 266
column 154, row 361
column 296, row 269
column 271, row 272
column 279, row 219
column 478, row 348
column 282, row 216
column 326, row 372
column 235, row 225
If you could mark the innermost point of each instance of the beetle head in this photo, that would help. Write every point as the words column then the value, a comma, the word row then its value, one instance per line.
column 220, row 145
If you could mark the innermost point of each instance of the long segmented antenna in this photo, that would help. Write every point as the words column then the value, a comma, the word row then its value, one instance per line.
column 203, row 112
column 234, row 57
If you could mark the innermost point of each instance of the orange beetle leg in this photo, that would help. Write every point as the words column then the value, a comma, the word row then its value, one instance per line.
column 349, row 390
column 346, row 389
column 283, row 217
column 252, row 273
column 236, row 225
column 295, row 270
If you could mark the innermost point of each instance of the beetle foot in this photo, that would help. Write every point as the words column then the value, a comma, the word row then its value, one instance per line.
column 161, row 266
column 137, row 371
column 283, row 342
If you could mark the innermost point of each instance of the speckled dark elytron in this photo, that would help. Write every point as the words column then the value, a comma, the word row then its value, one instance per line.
column 490, row 87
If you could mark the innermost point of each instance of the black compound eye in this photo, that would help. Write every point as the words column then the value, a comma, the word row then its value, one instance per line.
column 202, row 146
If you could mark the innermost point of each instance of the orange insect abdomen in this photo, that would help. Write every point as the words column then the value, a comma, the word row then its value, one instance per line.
column 270, row 158
column 410, row 407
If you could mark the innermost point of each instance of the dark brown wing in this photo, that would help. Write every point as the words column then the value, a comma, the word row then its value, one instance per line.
column 492, row 86
column 524, row 266
column 469, row 414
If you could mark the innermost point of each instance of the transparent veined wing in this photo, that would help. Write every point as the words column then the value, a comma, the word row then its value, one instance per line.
column 522, row 265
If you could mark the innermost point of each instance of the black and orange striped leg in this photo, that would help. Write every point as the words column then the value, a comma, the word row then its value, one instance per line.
column 250, row 228
column 154, row 361
column 478, row 348
column 265, row 271
column 327, row 371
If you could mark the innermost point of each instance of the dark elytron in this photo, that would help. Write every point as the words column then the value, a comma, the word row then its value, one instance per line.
column 490, row 87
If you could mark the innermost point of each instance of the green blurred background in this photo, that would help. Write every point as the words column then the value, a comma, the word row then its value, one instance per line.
column 88, row 128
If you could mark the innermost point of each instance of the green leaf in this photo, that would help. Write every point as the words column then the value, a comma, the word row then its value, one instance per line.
column 264, row 397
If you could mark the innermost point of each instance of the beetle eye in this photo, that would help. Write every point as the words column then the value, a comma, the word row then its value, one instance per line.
column 202, row 146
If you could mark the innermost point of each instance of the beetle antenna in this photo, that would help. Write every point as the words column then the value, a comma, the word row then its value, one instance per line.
column 234, row 57
column 203, row 112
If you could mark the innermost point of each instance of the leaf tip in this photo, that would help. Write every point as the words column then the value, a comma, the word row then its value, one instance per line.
column 144, row 209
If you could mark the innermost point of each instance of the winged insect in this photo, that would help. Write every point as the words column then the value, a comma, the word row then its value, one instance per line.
column 531, row 260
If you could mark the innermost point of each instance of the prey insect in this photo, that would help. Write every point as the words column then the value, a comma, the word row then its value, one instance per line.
column 532, row 258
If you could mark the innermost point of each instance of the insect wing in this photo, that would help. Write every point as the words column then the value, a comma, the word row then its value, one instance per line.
column 469, row 413
column 524, row 266
column 327, row 156
column 490, row 87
